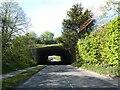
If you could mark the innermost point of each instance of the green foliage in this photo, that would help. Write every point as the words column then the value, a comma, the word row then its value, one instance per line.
column 47, row 38
column 100, row 69
column 58, row 58
column 18, row 55
column 19, row 78
column 69, row 41
column 59, row 39
column 75, row 17
column 101, row 47
column 33, row 37
column 13, row 21
column 15, row 48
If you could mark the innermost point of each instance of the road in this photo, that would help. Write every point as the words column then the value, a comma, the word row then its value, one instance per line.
column 66, row 76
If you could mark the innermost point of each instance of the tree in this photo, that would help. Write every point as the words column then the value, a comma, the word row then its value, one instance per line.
column 17, row 55
column 47, row 37
column 15, row 47
column 75, row 18
column 32, row 39
column 13, row 21
column 32, row 35
column 59, row 39
column 111, row 6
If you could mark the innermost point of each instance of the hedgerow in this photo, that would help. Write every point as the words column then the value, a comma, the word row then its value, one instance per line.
column 101, row 47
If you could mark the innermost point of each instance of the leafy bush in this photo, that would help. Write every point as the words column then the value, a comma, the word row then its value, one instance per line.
column 101, row 47
column 18, row 55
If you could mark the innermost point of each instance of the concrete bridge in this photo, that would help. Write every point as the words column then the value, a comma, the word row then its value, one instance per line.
column 41, row 55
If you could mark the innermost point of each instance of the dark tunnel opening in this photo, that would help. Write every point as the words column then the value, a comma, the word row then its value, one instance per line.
column 42, row 54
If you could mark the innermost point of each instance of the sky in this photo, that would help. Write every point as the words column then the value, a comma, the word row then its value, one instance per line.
column 47, row 15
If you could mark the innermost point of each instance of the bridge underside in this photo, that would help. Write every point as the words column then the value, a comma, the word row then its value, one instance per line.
column 42, row 55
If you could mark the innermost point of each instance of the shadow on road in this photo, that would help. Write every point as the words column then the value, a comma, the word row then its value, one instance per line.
column 65, row 77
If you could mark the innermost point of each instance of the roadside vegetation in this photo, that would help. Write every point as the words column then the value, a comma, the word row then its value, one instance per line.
column 17, row 41
column 94, row 48
column 101, row 47
column 110, row 71
column 17, row 56
column 16, row 80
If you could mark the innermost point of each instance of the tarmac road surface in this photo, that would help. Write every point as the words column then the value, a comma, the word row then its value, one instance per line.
column 67, row 77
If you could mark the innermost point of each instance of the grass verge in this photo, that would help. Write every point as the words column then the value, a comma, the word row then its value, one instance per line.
column 43, row 45
column 16, row 66
column 99, row 69
column 13, row 81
